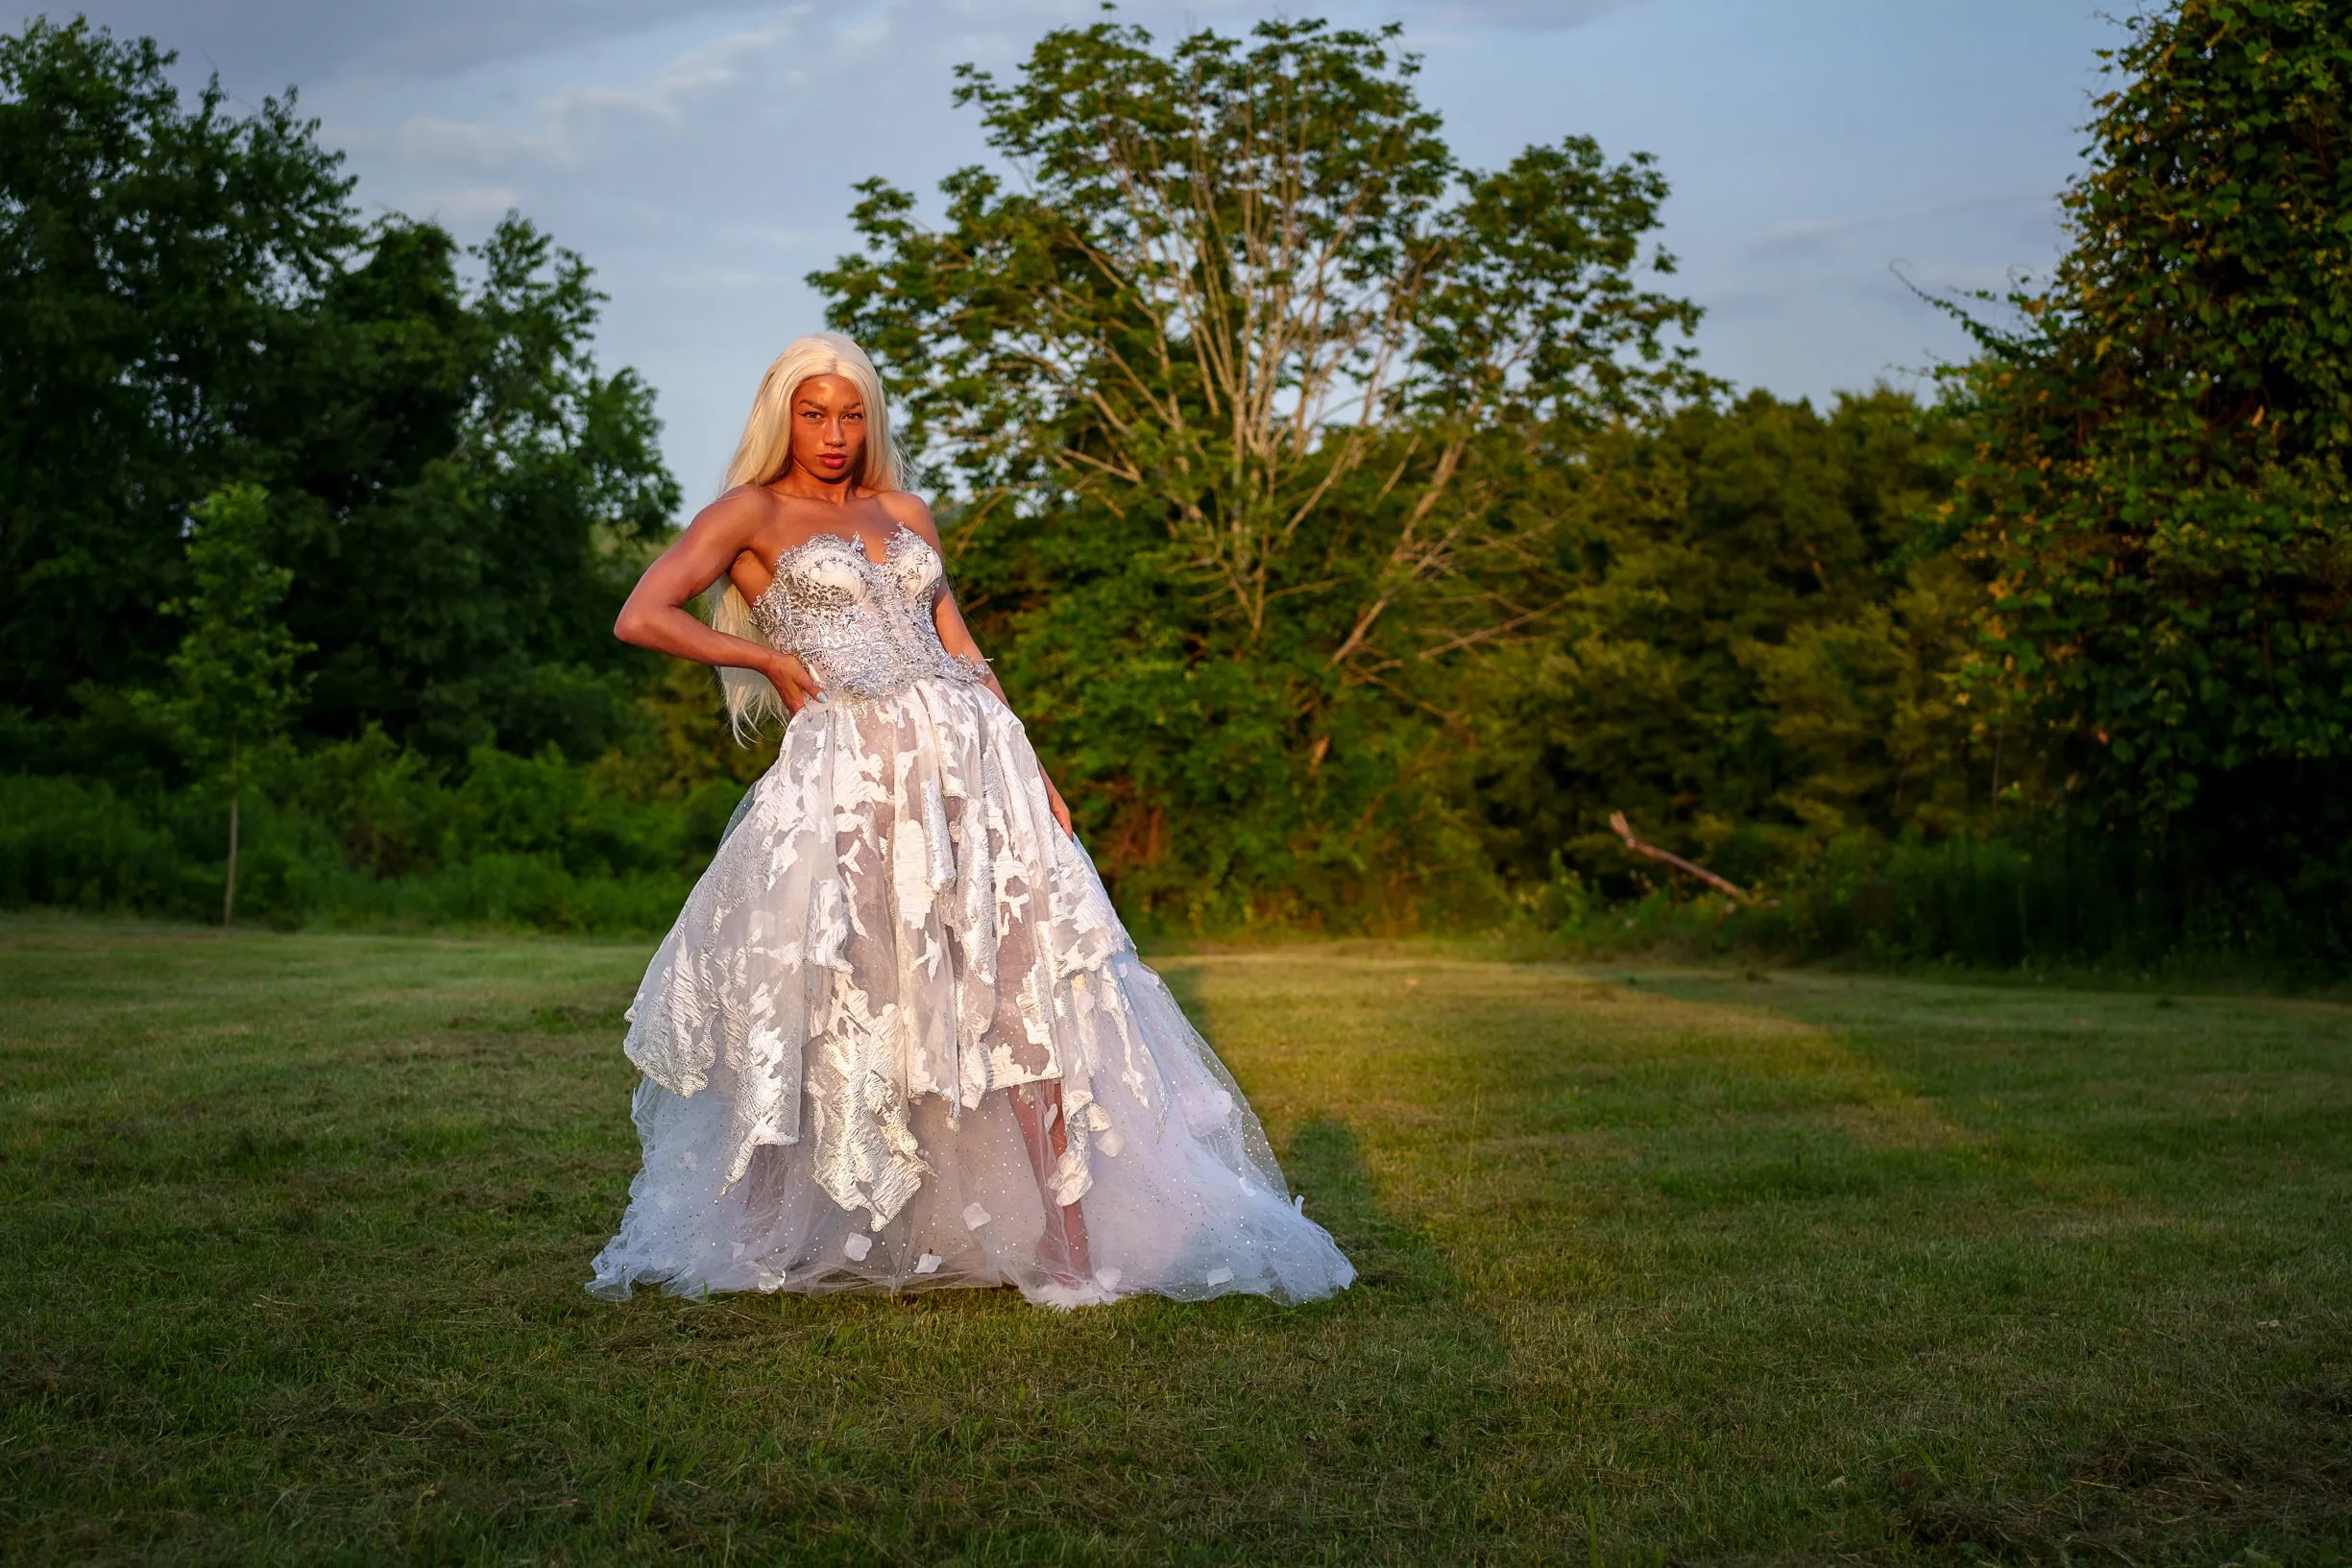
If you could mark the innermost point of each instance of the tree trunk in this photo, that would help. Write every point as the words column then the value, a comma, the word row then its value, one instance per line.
column 229, row 899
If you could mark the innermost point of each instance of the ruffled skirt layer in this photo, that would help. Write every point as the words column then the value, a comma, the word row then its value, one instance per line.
column 897, row 1014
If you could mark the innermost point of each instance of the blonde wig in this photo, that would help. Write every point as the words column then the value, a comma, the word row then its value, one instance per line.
column 761, row 457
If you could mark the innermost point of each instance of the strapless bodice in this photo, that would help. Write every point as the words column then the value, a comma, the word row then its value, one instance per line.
column 863, row 627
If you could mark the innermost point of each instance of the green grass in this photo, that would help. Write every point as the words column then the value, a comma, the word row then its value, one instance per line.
column 1676, row 1267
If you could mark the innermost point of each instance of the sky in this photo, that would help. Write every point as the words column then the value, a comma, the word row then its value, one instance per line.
column 701, row 153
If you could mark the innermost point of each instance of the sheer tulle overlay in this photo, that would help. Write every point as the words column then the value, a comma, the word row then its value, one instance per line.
column 898, row 1035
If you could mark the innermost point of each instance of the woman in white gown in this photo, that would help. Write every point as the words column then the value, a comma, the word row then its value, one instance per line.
column 898, row 1038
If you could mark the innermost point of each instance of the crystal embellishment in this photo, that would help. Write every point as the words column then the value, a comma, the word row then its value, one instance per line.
column 863, row 627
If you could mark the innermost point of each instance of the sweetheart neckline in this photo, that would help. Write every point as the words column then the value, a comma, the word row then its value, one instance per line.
column 857, row 550
column 891, row 541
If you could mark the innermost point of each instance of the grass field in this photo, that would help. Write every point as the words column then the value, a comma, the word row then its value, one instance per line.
column 1657, row 1267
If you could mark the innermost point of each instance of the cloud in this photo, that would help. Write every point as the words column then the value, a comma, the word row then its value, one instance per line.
column 468, row 206
column 759, row 74
column 701, row 153
column 261, row 45
column 1814, row 236
column 721, row 277
column 570, row 125
column 1508, row 15
column 423, row 140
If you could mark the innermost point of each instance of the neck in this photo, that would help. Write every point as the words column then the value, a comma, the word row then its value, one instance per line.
column 800, row 484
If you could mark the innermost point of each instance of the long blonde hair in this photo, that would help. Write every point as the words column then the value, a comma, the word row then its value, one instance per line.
column 761, row 457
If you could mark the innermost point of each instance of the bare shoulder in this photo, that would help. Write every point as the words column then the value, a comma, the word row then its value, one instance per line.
column 908, row 509
column 737, row 514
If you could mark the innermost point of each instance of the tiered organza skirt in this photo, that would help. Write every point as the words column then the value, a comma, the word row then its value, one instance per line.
column 898, row 1027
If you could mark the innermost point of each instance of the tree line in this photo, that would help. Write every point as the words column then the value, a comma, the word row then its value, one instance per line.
column 1358, row 531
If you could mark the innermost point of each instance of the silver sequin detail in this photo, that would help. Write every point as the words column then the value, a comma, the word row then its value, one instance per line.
column 865, row 628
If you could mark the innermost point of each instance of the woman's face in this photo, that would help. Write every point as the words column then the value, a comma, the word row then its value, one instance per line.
column 828, row 427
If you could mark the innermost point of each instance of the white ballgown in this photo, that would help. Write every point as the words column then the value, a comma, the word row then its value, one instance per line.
column 854, row 1038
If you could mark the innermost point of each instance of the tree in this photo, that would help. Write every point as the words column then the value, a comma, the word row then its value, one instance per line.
column 467, row 496
column 188, row 299
column 2159, row 501
column 1232, row 392
column 234, row 667
column 153, row 260
column 1753, row 653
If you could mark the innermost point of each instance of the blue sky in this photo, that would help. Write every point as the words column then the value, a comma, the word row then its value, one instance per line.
column 699, row 153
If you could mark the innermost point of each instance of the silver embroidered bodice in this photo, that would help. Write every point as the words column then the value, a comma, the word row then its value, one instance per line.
column 863, row 627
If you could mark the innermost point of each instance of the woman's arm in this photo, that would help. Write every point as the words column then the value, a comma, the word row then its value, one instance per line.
column 655, row 615
column 955, row 636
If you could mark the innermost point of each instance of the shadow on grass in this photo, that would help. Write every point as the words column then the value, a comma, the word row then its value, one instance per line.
column 1394, row 1260
column 1415, row 1378
column 310, row 1291
column 1428, row 1407
column 1364, row 1428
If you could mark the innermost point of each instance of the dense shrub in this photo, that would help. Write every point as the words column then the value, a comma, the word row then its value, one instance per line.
column 365, row 832
column 2077, row 901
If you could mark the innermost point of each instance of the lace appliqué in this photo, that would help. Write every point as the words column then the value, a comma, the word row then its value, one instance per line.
column 897, row 915
column 895, row 934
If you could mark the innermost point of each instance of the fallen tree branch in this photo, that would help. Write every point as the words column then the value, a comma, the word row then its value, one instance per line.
column 1617, row 820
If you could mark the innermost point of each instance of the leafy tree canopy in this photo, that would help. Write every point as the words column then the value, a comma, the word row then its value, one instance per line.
column 188, row 299
column 235, row 666
column 1752, row 651
column 2160, row 496
column 152, row 261
column 1247, row 368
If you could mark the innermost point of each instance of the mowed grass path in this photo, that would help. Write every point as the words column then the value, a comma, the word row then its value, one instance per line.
column 1691, row 1268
